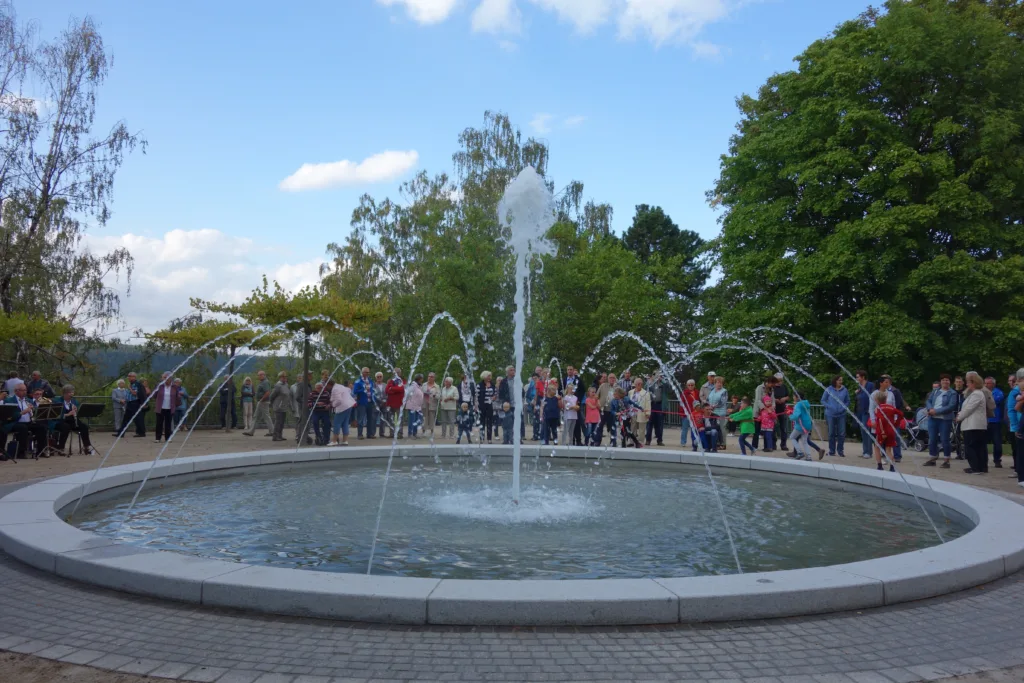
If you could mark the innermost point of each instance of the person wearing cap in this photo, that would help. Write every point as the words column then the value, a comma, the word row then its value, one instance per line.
column 707, row 388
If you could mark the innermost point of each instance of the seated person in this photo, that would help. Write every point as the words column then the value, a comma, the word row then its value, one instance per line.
column 69, row 421
column 25, row 427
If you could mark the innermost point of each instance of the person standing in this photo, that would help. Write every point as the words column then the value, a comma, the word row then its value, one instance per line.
column 1018, row 426
column 718, row 400
column 303, row 416
column 641, row 398
column 995, row 421
column 689, row 423
column 414, row 400
column 763, row 389
column 165, row 405
column 37, row 382
column 1013, row 421
column 973, row 421
column 261, row 412
column 343, row 401
column 655, row 425
column 280, row 400
column 431, row 403
column 226, row 393
column 179, row 416
column 395, row 393
column 485, row 401
column 781, row 394
column 119, row 399
column 836, row 401
column 380, row 398
column 604, row 397
column 467, row 392
column 133, row 409
column 363, row 392
column 12, row 383
column 448, row 403
column 707, row 388
column 248, row 394
column 319, row 406
column 941, row 407
column 862, row 394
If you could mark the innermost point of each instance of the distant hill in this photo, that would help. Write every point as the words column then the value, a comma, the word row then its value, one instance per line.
column 109, row 363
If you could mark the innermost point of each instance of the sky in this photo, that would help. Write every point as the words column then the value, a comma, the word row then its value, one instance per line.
column 267, row 121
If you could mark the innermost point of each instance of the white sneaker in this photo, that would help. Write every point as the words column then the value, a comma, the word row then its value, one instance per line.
column 864, row 455
column 1020, row 484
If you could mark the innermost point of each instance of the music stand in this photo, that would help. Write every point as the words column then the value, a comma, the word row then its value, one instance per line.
column 44, row 415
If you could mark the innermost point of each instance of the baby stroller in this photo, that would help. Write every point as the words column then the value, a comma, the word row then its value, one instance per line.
column 917, row 431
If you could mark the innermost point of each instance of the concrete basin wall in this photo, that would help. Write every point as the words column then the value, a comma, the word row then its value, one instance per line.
column 32, row 531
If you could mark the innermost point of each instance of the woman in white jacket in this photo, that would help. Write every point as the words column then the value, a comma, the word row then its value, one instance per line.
column 973, row 420
column 342, row 401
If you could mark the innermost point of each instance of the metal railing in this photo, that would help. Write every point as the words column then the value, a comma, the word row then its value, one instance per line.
column 210, row 417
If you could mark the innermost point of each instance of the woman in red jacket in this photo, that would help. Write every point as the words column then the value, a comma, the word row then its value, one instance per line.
column 395, row 395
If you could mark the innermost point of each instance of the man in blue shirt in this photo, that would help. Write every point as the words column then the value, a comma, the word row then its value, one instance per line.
column 366, row 416
column 995, row 423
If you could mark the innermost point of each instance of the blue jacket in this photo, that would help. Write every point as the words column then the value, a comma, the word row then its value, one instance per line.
column 363, row 390
column 551, row 409
column 943, row 403
column 835, row 402
column 1014, row 416
column 864, row 398
column 1000, row 399
column 802, row 415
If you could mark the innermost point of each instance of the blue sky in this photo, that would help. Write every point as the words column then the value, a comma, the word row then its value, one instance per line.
column 636, row 98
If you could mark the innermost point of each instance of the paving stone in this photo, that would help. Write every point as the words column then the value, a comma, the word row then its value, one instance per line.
column 171, row 670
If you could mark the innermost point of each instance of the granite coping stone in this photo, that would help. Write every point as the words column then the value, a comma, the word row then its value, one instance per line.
column 350, row 597
column 31, row 531
column 773, row 594
column 140, row 570
column 552, row 603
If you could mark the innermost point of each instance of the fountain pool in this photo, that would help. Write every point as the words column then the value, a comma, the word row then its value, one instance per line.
column 574, row 520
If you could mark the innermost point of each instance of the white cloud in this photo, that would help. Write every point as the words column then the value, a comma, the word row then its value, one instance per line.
column 575, row 121
column 497, row 16
column 667, row 20
column 705, row 50
column 424, row 11
column 541, row 123
column 585, row 15
column 206, row 264
column 381, row 167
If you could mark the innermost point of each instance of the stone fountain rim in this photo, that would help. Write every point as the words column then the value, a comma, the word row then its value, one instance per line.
column 32, row 531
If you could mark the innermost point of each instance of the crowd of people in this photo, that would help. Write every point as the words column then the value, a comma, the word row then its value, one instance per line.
column 966, row 413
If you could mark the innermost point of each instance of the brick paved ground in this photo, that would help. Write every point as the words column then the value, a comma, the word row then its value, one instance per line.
column 52, row 618
column 58, row 619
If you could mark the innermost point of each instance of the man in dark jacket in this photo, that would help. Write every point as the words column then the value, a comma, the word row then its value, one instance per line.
column 656, row 387
column 227, row 398
column 863, row 395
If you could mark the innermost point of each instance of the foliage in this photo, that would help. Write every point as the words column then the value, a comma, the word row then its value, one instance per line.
column 55, row 176
column 874, row 196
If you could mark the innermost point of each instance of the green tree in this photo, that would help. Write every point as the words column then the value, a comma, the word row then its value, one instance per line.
column 874, row 197
column 56, row 175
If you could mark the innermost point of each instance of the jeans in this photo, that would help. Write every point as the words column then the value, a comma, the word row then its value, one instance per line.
column 342, row 421
column 995, row 437
column 782, row 428
column 321, row 426
column 590, row 432
column 865, row 434
column 745, row 445
column 415, row 422
column 769, row 439
column 364, row 419
column 801, row 447
column 836, row 434
column 685, row 427
column 939, row 430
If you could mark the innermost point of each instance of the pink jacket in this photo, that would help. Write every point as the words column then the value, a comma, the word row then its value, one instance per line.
column 414, row 398
column 341, row 398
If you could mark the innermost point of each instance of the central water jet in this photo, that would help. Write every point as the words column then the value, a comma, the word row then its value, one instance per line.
column 527, row 209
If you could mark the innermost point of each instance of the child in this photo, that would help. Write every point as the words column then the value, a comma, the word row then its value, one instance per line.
column 552, row 414
column 767, row 419
column 622, row 410
column 745, row 417
column 465, row 422
column 802, row 424
column 593, row 417
column 508, row 419
column 571, row 405
column 888, row 419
